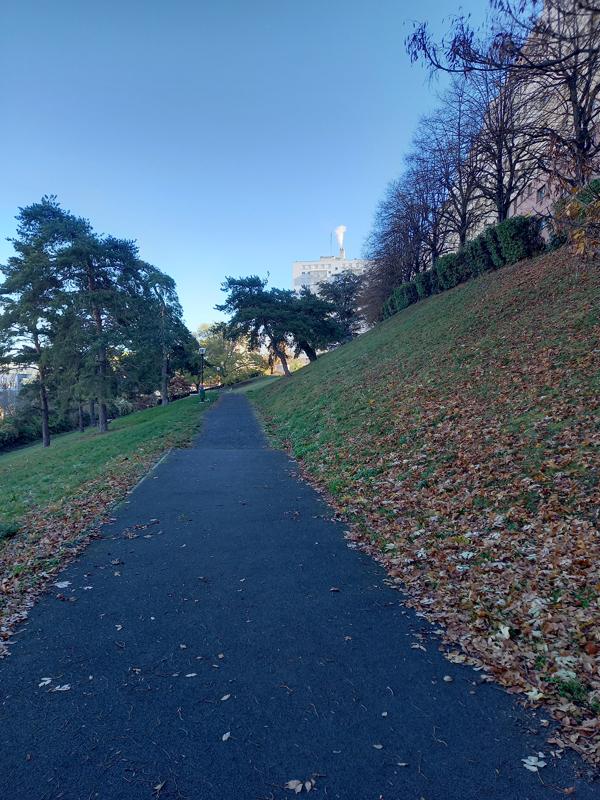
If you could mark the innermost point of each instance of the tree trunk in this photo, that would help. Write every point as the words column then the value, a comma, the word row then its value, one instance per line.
column 92, row 412
column 80, row 416
column 102, row 365
column 311, row 353
column 44, row 410
column 102, row 417
column 282, row 357
column 164, row 382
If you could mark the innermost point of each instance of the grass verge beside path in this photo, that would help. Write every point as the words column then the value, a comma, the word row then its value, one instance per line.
column 461, row 438
column 51, row 500
column 256, row 383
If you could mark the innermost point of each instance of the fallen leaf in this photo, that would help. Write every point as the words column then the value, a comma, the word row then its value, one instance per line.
column 534, row 763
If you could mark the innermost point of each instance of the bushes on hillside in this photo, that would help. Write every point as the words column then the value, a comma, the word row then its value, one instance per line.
column 510, row 241
column 519, row 237
column 448, row 270
column 426, row 283
column 402, row 297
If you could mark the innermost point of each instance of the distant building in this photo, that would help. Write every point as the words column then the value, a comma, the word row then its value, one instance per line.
column 11, row 383
column 312, row 273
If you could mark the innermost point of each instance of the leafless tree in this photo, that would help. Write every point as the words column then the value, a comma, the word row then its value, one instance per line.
column 507, row 146
column 447, row 139
column 551, row 50
column 407, row 235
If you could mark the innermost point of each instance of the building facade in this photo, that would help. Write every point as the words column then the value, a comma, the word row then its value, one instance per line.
column 11, row 383
column 312, row 273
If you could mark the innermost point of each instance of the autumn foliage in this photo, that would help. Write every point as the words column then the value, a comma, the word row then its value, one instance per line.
column 460, row 439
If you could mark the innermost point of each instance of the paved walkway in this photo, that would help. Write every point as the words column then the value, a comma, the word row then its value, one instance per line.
column 209, row 658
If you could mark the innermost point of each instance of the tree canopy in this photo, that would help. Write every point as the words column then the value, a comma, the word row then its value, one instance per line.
column 94, row 320
column 278, row 321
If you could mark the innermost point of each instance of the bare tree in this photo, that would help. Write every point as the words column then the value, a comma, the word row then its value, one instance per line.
column 507, row 146
column 447, row 140
column 407, row 235
column 552, row 49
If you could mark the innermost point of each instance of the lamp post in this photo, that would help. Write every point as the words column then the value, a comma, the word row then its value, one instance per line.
column 201, row 391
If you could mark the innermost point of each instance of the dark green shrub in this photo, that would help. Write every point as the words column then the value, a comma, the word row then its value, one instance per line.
column 449, row 269
column 9, row 435
column 388, row 308
column 423, row 283
column 405, row 295
column 520, row 237
column 493, row 247
column 402, row 297
column 477, row 257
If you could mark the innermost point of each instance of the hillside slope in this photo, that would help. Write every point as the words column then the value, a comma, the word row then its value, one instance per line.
column 460, row 437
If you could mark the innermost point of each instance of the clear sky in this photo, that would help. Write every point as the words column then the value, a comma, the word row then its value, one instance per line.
column 226, row 136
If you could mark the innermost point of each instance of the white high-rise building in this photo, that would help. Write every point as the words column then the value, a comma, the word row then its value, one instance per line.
column 312, row 273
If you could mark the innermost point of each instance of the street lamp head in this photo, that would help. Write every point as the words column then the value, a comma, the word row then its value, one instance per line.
column 202, row 350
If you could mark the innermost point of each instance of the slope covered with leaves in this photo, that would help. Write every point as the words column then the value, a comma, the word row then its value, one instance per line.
column 52, row 500
column 460, row 437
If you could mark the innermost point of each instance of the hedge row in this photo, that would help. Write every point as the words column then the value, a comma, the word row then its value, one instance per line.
column 510, row 241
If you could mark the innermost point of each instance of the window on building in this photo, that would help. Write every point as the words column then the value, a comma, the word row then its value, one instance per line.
column 541, row 193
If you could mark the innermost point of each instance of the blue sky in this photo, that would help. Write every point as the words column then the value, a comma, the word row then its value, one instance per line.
column 226, row 136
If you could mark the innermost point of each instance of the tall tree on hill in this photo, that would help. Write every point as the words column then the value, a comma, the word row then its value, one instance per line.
column 313, row 323
column 447, row 139
column 277, row 319
column 107, row 276
column 343, row 293
column 257, row 316
column 159, row 311
column 505, row 147
column 407, row 235
column 31, row 294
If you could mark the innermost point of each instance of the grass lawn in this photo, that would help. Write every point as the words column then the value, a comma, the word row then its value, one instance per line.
column 39, row 477
column 257, row 383
column 461, row 438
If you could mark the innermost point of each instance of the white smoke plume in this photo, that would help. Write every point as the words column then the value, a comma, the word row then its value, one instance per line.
column 339, row 235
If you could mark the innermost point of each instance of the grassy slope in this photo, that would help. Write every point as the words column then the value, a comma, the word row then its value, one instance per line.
column 256, row 383
column 461, row 437
column 56, row 496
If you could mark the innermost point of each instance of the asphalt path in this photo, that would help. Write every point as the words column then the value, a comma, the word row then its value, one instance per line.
column 225, row 640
